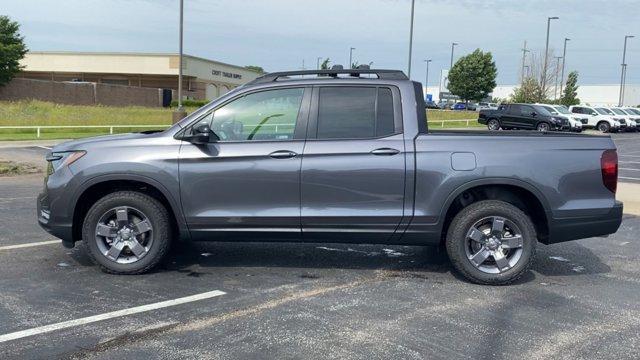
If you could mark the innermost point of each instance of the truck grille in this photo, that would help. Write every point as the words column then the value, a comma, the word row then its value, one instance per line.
column 584, row 121
column 623, row 122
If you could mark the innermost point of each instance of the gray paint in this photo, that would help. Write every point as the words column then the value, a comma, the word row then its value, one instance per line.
column 340, row 190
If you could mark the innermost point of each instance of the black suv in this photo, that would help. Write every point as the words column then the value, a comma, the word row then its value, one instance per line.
column 522, row 116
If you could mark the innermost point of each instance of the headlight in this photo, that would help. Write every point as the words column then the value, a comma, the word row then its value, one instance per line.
column 59, row 159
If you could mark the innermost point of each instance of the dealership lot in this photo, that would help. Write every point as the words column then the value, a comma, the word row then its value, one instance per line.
column 313, row 300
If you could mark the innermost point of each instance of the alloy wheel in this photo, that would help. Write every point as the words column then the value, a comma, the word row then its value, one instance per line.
column 124, row 235
column 494, row 244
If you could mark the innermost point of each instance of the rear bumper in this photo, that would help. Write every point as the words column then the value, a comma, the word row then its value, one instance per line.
column 573, row 228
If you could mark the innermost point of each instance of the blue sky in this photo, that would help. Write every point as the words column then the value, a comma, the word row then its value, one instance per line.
column 279, row 34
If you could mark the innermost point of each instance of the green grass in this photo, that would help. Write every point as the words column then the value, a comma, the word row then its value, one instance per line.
column 8, row 168
column 40, row 113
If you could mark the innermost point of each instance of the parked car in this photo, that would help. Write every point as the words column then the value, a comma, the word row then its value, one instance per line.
column 522, row 116
column 459, row 106
column 575, row 122
column 624, row 126
column 472, row 106
column 486, row 106
column 349, row 159
column 431, row 105
column 596, row 119
column 444, row 105
column 628, row 119
column 635, row 113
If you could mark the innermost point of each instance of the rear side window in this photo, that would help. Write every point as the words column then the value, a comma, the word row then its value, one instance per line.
column 355, row 112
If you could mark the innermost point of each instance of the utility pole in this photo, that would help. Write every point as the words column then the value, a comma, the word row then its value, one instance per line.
column 179, row 113
column 318, row 62
column 426, row 77
column 564, row 61
column 350, row 57
column 543, row 81
column 413, row 4
column 555, row 88
column 624, row 69
column 524, row 55
column 453, row 44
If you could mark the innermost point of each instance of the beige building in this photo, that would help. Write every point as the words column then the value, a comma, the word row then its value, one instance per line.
column 202, row 78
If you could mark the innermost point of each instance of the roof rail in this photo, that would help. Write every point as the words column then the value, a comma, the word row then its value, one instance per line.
column 382, row 74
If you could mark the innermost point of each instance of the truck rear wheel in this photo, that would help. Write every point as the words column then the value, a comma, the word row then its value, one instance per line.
column 127, row 232
column 491, row 242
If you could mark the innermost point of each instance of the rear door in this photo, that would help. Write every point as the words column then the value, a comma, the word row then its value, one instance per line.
column 353, row 167
column 528, row 117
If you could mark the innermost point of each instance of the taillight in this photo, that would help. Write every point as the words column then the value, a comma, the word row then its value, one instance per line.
column 609, row 167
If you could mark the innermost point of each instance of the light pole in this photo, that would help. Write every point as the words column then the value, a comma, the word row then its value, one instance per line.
column 351, row 56
column 527, row 67
column 318, row 62
column 426, row 77
column 524, row 55
column 453, row 44
column 180, row 113
column 413, row 3
column 564, row 60
column 624, row 68
column 555, row 88
column 543, row 81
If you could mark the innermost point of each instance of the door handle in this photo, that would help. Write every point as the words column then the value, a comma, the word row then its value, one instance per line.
column 385, row 151
column 283, row 154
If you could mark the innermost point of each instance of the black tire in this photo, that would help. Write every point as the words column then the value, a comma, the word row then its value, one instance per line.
column 604, row 126
column 457, row 241
column 493, row 125
column 156, row 214
column 543, row 127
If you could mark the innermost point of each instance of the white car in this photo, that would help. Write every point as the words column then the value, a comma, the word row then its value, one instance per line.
column 575, row 121
column 596, row 119
column 635, row 113
column 624, row 118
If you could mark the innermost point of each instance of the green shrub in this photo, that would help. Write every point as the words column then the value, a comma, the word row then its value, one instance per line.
column 190, row 103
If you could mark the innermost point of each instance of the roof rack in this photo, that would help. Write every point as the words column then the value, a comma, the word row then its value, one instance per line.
column 382, row 74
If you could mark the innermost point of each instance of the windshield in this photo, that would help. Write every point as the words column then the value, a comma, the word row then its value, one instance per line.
column 562, row 110
column 604, row 111
column 634, row 111
column 550, row 109
column 543, row 110
column 619, row 112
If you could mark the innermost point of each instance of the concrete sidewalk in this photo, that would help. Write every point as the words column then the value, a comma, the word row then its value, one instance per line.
column 629, row 194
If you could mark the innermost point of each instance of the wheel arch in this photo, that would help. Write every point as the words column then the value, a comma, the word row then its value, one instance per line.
column 516, row 192
column 99, row 186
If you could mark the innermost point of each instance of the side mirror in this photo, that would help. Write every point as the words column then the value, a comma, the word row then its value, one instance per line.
column 534, row 114
column 201, row 134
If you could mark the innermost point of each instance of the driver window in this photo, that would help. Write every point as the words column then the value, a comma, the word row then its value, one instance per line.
column 265, row 115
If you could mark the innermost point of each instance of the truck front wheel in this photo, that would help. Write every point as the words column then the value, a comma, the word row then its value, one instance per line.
column 491, row 242
column 127, row 232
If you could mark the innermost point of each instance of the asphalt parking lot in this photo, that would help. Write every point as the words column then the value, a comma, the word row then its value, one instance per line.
column 252, row 300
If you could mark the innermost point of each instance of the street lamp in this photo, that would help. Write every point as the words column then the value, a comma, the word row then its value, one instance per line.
column 453, row 44
column 180, row 113
column 426, row 77
column 555, row 88
column 624, row 69
column 543, row 81
column 524, row 56
column 351, row 56
column 413, row 3
column 564, row 60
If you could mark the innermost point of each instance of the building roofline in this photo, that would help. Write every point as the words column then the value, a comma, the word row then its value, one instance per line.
column 116, row 53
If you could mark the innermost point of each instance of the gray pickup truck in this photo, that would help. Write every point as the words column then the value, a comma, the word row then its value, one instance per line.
column 340, row 156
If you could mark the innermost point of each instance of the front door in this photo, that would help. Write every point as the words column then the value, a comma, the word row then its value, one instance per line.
column 248, row 182
column 353, row 168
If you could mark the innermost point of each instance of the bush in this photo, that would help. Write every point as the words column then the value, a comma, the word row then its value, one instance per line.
column 190, row 103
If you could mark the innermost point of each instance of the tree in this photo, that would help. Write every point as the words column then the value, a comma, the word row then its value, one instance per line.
column 255, row 68
column 473, row 76
column 326, row 64
column 528, row 92
column 12, row 49
column 569, row 97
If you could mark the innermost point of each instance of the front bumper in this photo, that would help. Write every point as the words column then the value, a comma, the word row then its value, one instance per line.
column 61, row 230
column 573, row 228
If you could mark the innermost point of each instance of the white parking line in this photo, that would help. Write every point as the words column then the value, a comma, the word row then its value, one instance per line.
column 629, row 169
column 629, row 162
column 21, row 246
column 638, row 156
column 628, row 178
column 109, row 315
column 43, row 147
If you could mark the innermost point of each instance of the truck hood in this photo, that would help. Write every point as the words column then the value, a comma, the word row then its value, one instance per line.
column 82, row 144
